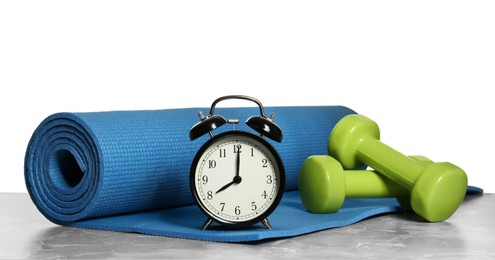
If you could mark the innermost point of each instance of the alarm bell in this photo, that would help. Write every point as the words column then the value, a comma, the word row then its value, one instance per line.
column 265, row 127
column 261, row 124
column 206, row 125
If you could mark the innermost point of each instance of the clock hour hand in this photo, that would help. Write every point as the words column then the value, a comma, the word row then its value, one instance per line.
column 237, row 179
column 225, row 186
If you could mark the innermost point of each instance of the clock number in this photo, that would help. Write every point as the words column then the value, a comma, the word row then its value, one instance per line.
column 209, row 195
column 222, row 205
column 253, row 206
column 264, row 195
column 269, row 179
column 237, row 148
column 212, row 164
column 237, row 210
column 204, row 179
column 223, row 153
column 264, row 161
column 252, row 152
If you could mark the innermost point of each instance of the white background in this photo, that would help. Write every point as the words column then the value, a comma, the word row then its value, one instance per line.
column 423, row 70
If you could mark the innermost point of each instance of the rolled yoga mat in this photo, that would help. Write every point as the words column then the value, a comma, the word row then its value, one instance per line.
column 129, row 171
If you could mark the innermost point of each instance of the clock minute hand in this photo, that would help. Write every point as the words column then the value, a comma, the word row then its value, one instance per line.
column 237, row 163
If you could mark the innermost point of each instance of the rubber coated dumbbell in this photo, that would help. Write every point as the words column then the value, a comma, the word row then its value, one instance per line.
column 324, row 184
column 436, row 190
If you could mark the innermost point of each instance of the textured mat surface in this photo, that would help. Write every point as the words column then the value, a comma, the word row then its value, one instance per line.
column 128, row 171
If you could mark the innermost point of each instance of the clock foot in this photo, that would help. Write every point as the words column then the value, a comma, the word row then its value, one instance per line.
column 266, row 223
column 207, row 223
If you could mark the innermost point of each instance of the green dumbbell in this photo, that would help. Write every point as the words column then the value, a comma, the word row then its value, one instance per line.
column 324, row 184
column 436, row 190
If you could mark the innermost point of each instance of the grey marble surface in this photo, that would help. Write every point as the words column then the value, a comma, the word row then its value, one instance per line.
column 468, row 234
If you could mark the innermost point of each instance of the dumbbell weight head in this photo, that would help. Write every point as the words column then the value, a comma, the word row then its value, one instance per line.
column 322, row 184
column 349, row 132
column 405, row 200
column 439, row 191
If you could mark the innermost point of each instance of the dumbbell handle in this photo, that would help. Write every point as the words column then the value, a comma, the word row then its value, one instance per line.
column 370, row 184
column 390, row 163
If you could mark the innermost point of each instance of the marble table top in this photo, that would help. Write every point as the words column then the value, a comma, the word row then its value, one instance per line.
column 468, row 234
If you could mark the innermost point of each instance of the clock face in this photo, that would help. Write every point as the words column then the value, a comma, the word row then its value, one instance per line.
column 237, row 178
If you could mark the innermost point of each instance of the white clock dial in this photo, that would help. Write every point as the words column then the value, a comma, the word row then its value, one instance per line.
column 237, row 178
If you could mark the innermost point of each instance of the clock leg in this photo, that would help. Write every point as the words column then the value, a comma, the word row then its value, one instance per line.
column 266, row 223
column 207, row 223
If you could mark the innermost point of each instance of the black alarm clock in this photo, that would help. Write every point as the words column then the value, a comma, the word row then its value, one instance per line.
column 237, row 177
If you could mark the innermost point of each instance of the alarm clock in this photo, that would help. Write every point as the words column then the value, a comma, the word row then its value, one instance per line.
column 237, row 177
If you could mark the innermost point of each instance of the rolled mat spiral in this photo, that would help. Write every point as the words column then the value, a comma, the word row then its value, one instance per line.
column 129, row 171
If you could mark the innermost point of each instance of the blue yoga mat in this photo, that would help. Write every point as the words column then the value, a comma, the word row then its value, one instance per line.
column 129, row 171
